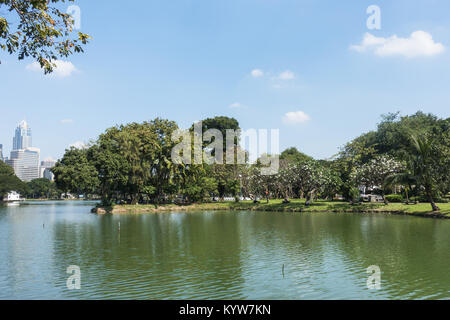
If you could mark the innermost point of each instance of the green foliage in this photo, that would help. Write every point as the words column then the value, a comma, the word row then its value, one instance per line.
column 355, row 195
column 132, row 164
column 42, row 32
column 134, row 161
column 293, row 155
column 394, row 198
column 9, row 181
column 200, row 189
column 75, row 174
column 42, row 188
column 421, row 142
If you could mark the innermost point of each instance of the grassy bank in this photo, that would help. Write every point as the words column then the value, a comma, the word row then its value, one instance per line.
column 421, row 209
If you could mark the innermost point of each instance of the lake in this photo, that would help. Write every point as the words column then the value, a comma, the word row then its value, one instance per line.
column 219, row 255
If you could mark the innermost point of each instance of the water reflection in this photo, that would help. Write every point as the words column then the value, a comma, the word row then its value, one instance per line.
column 219, row 255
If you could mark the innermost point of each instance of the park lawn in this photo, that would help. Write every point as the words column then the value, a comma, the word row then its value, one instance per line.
column 297, row 205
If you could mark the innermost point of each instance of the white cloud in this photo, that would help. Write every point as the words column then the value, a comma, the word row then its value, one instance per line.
column 63, row 68
column 419, row 43
column 257, row 73
column 79, row 145
column 296, row 117
column 286, row 75
column 64, row 121
column 236, row 105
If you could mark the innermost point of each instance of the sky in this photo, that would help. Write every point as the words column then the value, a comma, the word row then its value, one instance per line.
column 314, row 69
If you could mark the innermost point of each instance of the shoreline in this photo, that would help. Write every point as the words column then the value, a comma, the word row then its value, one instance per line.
column 418, row 210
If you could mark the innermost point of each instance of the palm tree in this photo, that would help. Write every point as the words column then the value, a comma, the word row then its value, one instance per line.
column 422, row 163
column 405, row 179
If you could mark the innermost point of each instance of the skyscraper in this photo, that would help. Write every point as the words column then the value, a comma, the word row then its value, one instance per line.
column 25, row 163
column 24, row 158
column 22, row 137
column 1, row 152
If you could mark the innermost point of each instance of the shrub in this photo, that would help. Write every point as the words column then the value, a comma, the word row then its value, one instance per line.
column 394, row 198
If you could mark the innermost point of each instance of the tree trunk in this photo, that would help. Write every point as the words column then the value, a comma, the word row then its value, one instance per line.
column 384, row 199
column 430, row 198
column 134, row 199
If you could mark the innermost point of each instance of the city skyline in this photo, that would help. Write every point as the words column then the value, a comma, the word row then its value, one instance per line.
column 25, row 159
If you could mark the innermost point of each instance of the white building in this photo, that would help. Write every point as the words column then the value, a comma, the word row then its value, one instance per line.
column 25, row 163
column 12, row 196
column 24, row 158
column 45, row 171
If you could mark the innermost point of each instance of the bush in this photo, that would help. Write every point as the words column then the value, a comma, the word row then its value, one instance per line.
column 355, row 195
column 394, row 198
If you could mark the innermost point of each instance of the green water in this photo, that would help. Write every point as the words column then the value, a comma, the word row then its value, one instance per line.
column 219, row 255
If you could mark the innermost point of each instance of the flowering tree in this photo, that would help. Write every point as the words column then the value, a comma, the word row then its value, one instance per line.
column 374, row 173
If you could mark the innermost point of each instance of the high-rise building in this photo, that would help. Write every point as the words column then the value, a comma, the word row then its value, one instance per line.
column 24, row 158
column 1, row 152
column 22, row 137
column 46, row 167
column 25, row 163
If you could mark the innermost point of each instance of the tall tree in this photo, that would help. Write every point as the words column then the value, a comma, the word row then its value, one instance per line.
column 425, row 161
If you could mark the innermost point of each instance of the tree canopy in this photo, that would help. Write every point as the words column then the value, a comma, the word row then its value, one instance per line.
column 132, row 163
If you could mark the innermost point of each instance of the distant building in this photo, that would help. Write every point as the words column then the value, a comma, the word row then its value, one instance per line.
column 1, row 152
column 25, row 163
column 12, row 196
column 22, row 136
column 24, row 158
column 46, row 167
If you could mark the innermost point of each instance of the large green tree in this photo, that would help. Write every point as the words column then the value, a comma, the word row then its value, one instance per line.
column 426, row 161
column 75, row 174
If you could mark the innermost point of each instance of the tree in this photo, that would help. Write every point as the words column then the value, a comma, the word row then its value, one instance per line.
column 425, row 163
column 405, row 179
column 260, row 185
column 374, row 173
column 9, row 181
column 75, row 174
column 197, row 187
column 165, row 175
column 43, row 31
column 42, row 188
column 293, row 155
column 134, row 160
column 226, row 175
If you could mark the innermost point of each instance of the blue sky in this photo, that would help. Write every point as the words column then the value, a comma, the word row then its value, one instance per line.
column 189, row 60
